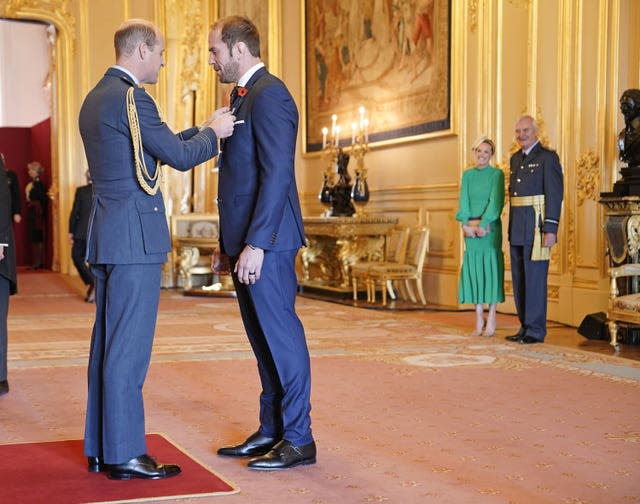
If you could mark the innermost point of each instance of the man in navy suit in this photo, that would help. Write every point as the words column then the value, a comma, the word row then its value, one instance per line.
column 8, row 283
column 125, row 141
column 260, row 233
column 78, row 224
column 535, row 202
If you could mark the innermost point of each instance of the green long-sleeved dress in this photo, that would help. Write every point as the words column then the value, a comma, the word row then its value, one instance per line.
column 482, row 272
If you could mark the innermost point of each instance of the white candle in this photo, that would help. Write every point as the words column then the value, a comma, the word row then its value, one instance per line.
column 334, row 118
column 366, row 130
column 338, row 130
column 361, row 111
column 354, row 126
column 324, row 137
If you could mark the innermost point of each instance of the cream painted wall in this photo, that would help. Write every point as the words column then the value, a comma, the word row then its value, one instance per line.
column 24, row 57
column 566, row 61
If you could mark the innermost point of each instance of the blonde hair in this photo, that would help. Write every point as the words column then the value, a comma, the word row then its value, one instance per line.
column 485, row 140
column 37, row 167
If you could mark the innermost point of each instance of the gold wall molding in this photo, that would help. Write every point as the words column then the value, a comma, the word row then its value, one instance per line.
column 57, row 12
column 520, row 4
column 63, row 115
column 587, row 177
column 571, row 241
column 472, row 8
column 191, row 45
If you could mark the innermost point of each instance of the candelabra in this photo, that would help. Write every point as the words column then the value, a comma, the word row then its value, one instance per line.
column 340, row 196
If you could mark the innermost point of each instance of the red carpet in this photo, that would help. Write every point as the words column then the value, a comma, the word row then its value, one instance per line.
column 55, row 472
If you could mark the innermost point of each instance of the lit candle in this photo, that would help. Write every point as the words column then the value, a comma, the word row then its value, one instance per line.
column 338, row 130
column 324, row 137
column 334, row 118
column 366, row 130
column 361, row 111
column 354, row 126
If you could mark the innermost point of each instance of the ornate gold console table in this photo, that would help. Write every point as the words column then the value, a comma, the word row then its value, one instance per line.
column 622, row 225
column 194, row 238
column 334, row 244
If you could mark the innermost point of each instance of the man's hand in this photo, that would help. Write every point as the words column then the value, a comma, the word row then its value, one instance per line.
column 550, row 239
column 17, row 218
column 220, row 263
column 249, row 265
column 1, row 252
column 70, row 238
column 221, row 122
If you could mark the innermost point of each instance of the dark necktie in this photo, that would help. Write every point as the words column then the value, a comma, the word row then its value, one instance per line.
column 234, row 95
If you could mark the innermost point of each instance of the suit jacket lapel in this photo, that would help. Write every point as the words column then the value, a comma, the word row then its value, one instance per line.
column 254, row 78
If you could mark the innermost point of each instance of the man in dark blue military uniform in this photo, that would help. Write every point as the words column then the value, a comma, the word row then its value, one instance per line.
column 535, row 201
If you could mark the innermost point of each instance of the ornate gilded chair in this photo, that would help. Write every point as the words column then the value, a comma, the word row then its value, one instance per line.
column 396, row 250
column 410, row 271
column 623, row 308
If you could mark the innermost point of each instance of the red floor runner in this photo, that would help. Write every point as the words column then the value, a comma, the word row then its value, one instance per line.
column 55, row 472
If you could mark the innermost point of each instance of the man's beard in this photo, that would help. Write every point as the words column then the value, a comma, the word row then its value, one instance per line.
column 229, row 72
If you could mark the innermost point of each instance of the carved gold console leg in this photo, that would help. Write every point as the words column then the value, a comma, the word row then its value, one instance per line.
column 354, row 283
column 383, row 281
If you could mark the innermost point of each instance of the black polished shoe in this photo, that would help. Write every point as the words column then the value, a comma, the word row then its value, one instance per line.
column 4, row 387
column 142, row 467
column 95, row 464
column 528, row 340
column 517, row 336
column 283, row 456
column 256, row 444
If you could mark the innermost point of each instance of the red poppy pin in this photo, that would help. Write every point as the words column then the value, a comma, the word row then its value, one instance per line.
column 242, row 91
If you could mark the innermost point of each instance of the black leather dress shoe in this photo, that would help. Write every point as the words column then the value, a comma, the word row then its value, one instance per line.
column 142, row 467
column 285, row 455
column 528, row 340
column 517, row 336
column 95, row 464
column 256, row 444
column 4, row 387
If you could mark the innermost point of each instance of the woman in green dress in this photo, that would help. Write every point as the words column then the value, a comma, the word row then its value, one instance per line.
column 480, row 206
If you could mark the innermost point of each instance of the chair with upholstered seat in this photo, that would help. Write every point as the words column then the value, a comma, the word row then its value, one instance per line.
column 410, row 271
column 623, row 308
column 396, row 250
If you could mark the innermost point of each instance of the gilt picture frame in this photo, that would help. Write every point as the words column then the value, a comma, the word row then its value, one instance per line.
column 392, row 57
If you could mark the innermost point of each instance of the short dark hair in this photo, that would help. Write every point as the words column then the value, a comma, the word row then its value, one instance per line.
column 234, row 29
column 133, row 31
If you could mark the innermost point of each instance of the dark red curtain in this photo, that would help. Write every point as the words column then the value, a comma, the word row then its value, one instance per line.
column 20, row 146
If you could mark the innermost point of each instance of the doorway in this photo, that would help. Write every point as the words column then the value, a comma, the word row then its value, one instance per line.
column 25, row 128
